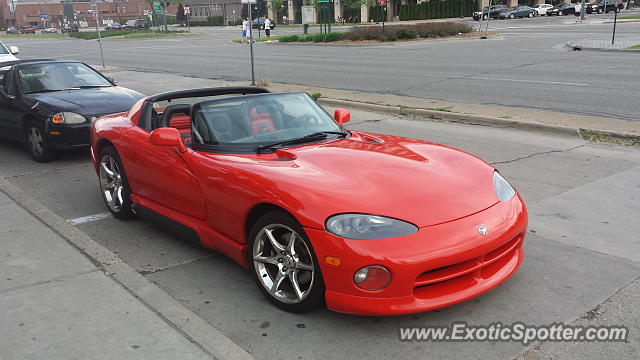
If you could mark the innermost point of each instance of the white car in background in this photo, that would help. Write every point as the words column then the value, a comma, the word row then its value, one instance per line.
column 8, row 53
column 542, row 8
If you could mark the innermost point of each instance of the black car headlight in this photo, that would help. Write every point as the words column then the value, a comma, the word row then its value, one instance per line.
column 365, row 226
column 68, row 118
column 504, row 190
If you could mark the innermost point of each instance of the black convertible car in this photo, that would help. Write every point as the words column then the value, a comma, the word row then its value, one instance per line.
column 50, row 104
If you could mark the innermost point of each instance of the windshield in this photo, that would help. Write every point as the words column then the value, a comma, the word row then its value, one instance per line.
column 131, row 22
column 258, row 119
column 59, row 76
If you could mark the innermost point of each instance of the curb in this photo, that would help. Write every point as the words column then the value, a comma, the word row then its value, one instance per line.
column 453, row 117
column 183, row 320
column 572, row 46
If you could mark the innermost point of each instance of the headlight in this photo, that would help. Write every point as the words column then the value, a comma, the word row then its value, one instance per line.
column 503, row 189
column 68, row 118
column 364, row 226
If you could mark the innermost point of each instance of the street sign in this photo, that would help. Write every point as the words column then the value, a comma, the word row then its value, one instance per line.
column 248, row 1
column 157, row 7
column 187, row 11
column 44, row 16
column 383, row 2
column 322, row 1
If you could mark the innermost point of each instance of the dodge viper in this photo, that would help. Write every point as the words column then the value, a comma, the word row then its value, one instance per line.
column 365, row 223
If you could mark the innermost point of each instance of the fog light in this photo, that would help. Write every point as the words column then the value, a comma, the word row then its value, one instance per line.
column 374, row 277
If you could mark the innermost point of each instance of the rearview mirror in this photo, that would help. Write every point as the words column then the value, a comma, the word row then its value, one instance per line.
column 342, row 116
column 167, row 137
column 14, row 50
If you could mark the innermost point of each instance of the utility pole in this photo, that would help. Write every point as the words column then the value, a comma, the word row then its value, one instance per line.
column 97, row 14
column 582, row 9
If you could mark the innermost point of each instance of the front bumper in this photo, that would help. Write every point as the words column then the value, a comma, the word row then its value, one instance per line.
column 67, row 136
column 438, row 266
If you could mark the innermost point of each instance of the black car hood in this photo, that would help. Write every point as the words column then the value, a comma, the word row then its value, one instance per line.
column 96, row 101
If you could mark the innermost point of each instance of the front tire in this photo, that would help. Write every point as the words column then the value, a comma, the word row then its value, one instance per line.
column 284, row 264
column 37, row 143
column 114, row 185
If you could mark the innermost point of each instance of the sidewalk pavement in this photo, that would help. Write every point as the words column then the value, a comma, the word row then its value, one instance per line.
column 433, row 109
column 68, row 298
column 604, row 44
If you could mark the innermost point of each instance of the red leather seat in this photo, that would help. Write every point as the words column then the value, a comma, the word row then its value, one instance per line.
column 260, row 122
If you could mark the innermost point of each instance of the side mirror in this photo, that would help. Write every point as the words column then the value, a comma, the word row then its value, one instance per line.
column 111, row 80
column 167, row 137
column 342, row 116
column 14, row 50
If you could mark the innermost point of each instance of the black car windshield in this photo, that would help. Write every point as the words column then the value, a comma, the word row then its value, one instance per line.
column 261, row 120
column 47, row 77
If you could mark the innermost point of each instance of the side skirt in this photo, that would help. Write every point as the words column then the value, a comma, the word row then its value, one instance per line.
column 169, row 224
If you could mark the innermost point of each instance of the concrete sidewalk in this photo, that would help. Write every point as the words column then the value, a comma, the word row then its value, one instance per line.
column 434, row 109
column 622, row 43
column 68, row 298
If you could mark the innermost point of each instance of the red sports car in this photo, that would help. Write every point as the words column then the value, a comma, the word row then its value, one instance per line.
column 364, row 223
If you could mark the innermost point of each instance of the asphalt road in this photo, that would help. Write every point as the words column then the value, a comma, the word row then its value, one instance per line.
column 524, row 66
column 582, row 253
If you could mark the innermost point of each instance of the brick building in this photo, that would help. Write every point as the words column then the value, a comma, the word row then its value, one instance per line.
column 30, row 12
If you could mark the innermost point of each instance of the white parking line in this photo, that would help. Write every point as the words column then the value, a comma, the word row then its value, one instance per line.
column 89, row 218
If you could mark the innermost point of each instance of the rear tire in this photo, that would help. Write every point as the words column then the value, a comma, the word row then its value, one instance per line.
column 283, row 263
column 114, row 185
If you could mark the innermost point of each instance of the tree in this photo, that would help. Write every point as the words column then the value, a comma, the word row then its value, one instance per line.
column 276, row 6
column 180, row 16
column 165, row 4
column 354, row 4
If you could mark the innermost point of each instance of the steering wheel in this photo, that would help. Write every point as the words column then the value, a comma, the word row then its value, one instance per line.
column 308, row 119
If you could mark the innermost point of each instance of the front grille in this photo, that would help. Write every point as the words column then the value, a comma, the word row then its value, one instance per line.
column 479, row 267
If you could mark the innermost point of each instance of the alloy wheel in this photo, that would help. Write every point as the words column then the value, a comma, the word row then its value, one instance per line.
column 36, row 141
column 283, row 263
column 111, row 183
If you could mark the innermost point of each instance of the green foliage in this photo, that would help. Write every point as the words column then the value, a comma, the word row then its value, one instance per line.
column 123, row 33
column 289, row 38
column 315, row 96
column 395, row 32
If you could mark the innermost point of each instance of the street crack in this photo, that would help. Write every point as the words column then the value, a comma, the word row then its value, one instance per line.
column 536, row 154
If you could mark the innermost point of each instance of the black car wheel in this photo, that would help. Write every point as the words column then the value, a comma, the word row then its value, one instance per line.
column 114, row 185
column 511, row 16
column 37, row 143
column 283, row 263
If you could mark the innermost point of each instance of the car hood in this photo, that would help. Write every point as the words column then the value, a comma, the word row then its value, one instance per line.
column 412, row 180
column 7, row 57
column 97, row 101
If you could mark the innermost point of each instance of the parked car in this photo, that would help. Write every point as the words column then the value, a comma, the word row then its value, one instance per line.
column 494, row 13
column 365, row 223
column 541, row 9
column 49, row 30
column 518, row 11
column 8, row 53
column 610, row 5
column 70, row 29
column 49, row 104
column 114, row 26
column 258, row 23
column 27, row 29
column 562, row 9
column 593, row 7
column 138, row 24
column 12, row 30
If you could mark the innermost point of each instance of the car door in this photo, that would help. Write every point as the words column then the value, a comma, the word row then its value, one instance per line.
column 12, row 107
column 161, row 174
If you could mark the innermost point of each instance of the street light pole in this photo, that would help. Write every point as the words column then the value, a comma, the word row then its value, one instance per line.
column 95, row 9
